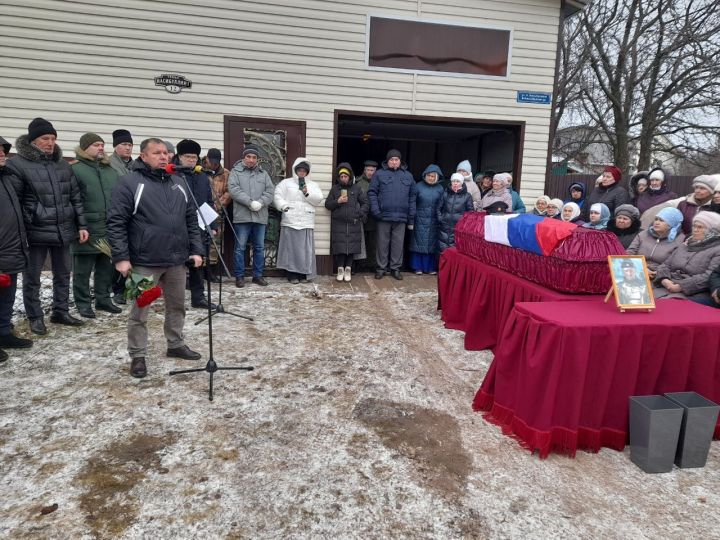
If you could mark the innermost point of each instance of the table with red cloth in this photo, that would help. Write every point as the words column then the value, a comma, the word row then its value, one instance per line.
column 477, row 298
column 563, row 371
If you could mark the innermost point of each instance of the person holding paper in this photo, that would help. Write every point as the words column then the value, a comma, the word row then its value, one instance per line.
column 188, row 155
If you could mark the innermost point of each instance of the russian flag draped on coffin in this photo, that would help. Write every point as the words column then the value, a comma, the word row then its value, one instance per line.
column 532, row 233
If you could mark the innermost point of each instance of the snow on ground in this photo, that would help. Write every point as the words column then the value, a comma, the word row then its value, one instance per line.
column 355, row 423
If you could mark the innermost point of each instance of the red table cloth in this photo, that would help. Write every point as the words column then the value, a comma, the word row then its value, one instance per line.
column 563, row 371
column 477, row 298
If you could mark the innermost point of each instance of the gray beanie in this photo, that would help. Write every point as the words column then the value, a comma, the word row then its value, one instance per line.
column 705, row 180
column 170, row 147
column 628, row 210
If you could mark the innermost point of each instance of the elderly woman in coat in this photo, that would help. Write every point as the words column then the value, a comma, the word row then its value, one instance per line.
column 296, row 197
column 571, row 213
column 348, row 205
column 452, row 205
column 541, row 205
column 500, row 191
column 625, row 224
column 660, row 240
column 423, row 244
column 687, row 271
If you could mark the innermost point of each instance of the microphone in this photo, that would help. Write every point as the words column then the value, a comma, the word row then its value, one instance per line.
column 171, row 168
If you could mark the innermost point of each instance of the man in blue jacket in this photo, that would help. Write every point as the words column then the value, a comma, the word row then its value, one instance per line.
column 392, row 197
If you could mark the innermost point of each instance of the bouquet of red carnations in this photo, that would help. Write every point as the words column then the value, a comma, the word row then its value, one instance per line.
column 142, row 289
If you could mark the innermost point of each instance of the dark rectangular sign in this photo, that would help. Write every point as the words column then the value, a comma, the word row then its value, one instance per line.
column 437, row 47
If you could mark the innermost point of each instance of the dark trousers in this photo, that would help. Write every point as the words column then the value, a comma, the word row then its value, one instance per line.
column 341, row 259
column 83, row 265
column 197, row 283
column 60, row 264
column 390, row 244
column 118, row 283
column 7, row 301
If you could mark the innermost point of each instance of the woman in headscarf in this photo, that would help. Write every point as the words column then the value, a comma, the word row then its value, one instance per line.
column 599, row 217
column 423, row 244
column 454, row 203
column 296, row 197
column 499, row 192
column 541, row 205
column 348, row 205
column 576, row 194
column 659, row 241
column 625, row 224
column 656, row 192
column 571, row 213
column 687, row 271
column 554, row 209
column 609, row 192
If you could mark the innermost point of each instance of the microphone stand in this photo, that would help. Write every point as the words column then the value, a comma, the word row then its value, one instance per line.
column 219, row 308
column 211, row 367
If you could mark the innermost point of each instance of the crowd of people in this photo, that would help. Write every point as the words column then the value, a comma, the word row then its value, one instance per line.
column 144, row 210
column 679, row 236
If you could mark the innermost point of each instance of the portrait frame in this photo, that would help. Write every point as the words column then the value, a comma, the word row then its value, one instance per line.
column 639, row 293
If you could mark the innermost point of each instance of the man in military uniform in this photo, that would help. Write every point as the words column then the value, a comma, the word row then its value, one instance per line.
column 632, row 289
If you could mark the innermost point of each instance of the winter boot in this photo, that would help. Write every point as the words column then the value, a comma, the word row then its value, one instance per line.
column 340, row 274
column 348, row 273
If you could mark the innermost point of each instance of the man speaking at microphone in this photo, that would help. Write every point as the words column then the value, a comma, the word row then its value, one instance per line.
column 153, row 230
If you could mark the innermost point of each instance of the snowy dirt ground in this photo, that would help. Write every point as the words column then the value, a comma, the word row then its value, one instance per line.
column 355, row 423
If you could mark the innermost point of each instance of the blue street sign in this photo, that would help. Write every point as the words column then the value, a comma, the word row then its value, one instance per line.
column 538, row 98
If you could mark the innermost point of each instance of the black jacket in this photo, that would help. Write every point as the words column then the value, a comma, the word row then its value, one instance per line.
column 450, row 209
column 13, row 241
column 611, row 196
column 346, row 219
column 152, row 219
column 200, row 185
column 49, row 194
column 626, row 236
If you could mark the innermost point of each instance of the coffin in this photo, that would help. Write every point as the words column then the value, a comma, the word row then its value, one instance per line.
column 576, row 265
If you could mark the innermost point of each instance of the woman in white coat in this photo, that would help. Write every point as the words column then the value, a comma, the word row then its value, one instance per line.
column 296, row 197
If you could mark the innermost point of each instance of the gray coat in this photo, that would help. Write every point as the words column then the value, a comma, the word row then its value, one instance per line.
column 656, row 250
column 119, row 165
column 691, row 266
column 248, row 185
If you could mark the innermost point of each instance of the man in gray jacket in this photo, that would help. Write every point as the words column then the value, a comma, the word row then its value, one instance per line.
column 252, row 190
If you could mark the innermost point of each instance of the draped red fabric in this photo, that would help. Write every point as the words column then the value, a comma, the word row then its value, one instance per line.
column 478, row 298
column 577, row 265
column 563, row 371
column 550, row 232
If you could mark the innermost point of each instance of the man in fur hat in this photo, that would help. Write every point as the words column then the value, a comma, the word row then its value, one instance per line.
column 97, row 179
column 54, row 217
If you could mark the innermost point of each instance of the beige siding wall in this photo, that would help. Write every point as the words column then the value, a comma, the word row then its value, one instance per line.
column 90, row 67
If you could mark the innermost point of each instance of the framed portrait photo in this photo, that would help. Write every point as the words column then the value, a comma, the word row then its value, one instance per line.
column 631, row 282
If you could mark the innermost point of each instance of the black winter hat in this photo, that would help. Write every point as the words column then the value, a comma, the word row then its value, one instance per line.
column 370, row 163
column 214, row 155
column 393, row 153
column 6, row 145
column 39, row 127
column 121, row 136
column 188, row 146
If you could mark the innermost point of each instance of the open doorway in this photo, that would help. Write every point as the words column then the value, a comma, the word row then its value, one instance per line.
column 488, row 145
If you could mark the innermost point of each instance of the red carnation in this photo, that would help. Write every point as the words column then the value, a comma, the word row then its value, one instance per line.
column 148, row 297
column 5, row 280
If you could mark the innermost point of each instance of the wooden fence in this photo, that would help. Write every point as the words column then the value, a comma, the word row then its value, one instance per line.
column 558, row 185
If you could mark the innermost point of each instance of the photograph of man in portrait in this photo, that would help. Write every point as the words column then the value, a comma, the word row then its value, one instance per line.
column 631, row 282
